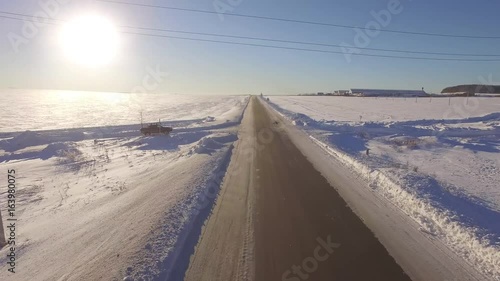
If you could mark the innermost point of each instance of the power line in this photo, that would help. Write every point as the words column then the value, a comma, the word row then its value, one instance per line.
column 311, row 43
column 32, row 17
column 274, row 40
column 300, row 21
column 309, row 50
column 12, row 18
column 281, row 47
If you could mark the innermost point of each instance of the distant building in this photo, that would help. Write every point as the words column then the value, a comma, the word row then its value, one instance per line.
column 341, row 92
column 387, row 93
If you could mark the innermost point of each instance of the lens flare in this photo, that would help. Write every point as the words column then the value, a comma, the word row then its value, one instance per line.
column 90, row 40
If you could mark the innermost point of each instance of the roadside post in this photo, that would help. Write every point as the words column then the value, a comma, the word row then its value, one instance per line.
column 2, row 233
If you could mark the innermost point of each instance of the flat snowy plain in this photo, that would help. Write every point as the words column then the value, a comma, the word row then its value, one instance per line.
column 88, row 183
column 92, row 192
column 437, row 160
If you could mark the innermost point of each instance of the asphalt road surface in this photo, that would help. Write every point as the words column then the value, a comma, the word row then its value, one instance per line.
column 277, row 218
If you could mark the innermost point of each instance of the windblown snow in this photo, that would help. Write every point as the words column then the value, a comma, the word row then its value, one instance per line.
column 437, row 159
column 93, row 193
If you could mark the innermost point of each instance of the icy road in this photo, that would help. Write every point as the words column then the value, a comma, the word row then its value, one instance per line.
column 288, row 211
column 301, row 227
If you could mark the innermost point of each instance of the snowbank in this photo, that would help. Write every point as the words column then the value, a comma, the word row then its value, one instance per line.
column 437, row 222
column 213, row 143
column 412, row 162
column 84, row 191
column 23, row 140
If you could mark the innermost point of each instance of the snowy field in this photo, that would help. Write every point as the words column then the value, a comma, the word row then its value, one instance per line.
column 68, row 109
column 387, row 109
column 437, row 159
column 87, row 181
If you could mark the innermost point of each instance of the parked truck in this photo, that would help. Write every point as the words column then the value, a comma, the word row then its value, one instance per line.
column 156, row 129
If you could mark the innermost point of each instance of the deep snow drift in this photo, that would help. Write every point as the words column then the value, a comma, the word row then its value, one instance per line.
column 436, row 159
column 93, row 193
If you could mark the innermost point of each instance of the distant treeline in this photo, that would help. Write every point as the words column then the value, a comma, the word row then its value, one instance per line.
column 474, row 88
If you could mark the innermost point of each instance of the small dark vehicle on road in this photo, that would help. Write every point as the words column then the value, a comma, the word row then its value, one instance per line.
column 156, row 129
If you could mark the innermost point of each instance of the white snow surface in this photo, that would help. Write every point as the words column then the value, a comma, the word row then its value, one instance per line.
column 92, row 192
column 49, row 109
column 436, row 160
column 387, row 109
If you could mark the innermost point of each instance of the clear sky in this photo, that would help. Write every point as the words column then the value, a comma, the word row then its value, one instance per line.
column 212, row 68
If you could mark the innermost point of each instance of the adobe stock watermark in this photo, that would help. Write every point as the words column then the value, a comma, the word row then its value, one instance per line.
column 487, row 83
column 471, row 105
column 363, row 37
column 468, row 107
column 224, row 6
column 30, row 29
column 151, row 81
column 310, row 264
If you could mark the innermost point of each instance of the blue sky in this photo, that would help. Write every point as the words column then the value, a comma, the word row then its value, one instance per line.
column 211, row 68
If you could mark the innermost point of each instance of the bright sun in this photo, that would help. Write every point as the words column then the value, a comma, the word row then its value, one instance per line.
column 90, row 40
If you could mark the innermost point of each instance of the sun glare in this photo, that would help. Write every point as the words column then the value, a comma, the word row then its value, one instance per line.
column 90, row 40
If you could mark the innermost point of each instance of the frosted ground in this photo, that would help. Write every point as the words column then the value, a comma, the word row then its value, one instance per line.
column 437, row 159
column 88, row 183
column 97, row 193
column 70, row 109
